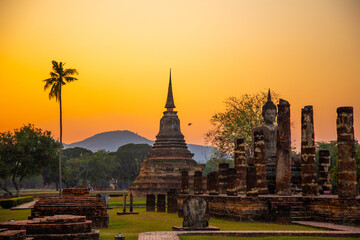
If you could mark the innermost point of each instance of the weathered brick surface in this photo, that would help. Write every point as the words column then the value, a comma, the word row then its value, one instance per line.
column 234, row 207
column 347, row 185
column 333, row 209
column 171, row 201
column 75, row 192
column 308, row 165
column 184, row 182
column 324, row 181
column 283, row 150
column 198, row 185
column 251, row 186
column 260, row 161
column 54, row 227
column 12, row 234
column 231, row 182
column 77, row 204
column 212, row 183
column 266, row 208
column 160, row 203
column 240, row 165
column 150, row 202
column 222, row 177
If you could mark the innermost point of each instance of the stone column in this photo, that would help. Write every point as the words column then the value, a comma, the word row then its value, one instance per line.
column 161, row 204
column 150, row 202
column 171, row 201
column 346, row 153
column 324, row 181
column 223, row 167
column 308, row 164
column 231, row 182
column 212, row 183
column 251, row 189
column 198, row 186
column 283, row 150
column 260, row 162
column 131, row 202
column 184, row 182
column 240, row 166
column 124, row 203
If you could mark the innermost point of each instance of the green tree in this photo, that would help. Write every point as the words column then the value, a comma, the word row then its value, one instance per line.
column 89, row 168
column 24, row 153
column 128, row 159
column 59, row 77
column 216, row 158
column 51, row 174
column 241, row 115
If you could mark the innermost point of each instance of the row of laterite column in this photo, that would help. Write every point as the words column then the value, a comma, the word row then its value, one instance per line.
column 160, row 204
column 250, row 178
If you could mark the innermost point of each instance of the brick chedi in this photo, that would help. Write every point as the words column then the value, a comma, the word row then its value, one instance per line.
column 161, row 171
column 346, row 153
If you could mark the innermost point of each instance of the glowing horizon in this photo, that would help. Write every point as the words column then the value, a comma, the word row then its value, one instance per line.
column 306, row 51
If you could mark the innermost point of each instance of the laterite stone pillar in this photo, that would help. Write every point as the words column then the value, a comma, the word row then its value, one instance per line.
column 223, row 167
column 308, row 164
column 283, row 150
column 346, row 153
column 260, row 162
column 240, row 165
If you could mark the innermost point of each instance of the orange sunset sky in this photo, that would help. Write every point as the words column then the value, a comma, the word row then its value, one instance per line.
column 307, row 51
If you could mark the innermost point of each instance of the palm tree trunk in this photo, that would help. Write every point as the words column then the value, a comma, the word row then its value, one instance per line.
column 60, row 150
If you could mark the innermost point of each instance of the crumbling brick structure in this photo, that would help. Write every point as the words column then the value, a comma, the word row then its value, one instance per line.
column 55, row 227
column 74, row 201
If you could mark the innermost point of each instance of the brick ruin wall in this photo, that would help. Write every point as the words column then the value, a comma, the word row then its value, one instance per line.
column 263, row 208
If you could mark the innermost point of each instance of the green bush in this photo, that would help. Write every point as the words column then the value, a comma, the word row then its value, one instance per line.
column 13, row 202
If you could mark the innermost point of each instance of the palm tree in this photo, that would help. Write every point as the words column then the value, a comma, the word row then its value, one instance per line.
column 59, row 77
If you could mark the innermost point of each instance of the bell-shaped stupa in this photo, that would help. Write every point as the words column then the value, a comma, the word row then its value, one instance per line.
column 161, row 171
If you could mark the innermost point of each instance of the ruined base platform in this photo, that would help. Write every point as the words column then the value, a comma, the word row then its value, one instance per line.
column 209, row 228
column 54, row 227
column 75, row 202
column 274, row 208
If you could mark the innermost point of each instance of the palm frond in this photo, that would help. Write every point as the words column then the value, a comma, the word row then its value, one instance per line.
column 70, row 79
column 48, row 82
column 55, row 65
column 54, row 75
column 70, row 71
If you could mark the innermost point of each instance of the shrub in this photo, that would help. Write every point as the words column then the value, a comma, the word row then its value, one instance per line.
column 13, row 202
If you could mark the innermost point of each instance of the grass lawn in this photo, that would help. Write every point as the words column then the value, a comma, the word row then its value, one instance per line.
column 131, row 225
column 262, row 238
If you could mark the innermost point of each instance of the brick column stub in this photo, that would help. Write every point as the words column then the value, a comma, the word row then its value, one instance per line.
column 240, row 165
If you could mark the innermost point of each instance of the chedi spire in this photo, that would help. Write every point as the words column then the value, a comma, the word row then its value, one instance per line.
column 170, row 99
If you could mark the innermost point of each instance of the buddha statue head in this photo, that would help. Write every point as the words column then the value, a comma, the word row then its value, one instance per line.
column 269, row 111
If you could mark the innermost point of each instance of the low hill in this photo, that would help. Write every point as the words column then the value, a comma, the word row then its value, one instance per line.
column 112, row 140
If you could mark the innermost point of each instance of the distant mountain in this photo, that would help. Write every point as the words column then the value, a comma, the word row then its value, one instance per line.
column 112, row 140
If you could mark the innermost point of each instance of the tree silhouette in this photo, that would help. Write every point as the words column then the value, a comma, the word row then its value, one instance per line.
column 59, row 77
